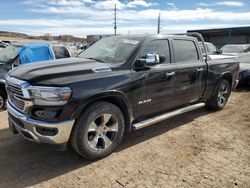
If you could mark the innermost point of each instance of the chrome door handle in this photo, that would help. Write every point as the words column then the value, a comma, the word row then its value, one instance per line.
column 199, row 69
column 170, row 73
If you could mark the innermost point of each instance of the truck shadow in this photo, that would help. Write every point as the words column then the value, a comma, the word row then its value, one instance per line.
column 25, row 164
column 242, row 88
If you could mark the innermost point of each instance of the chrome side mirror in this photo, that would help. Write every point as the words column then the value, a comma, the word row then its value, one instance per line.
column 152, row 59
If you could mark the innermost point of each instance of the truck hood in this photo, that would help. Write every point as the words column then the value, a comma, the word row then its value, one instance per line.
column 57, row 71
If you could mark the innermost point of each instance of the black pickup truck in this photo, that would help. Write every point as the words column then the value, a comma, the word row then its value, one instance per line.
column 119, row 84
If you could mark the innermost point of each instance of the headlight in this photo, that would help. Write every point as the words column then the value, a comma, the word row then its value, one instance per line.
column 49, row 96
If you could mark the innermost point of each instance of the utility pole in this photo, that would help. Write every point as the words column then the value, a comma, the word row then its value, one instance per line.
column 159, row 24
column 115, row 21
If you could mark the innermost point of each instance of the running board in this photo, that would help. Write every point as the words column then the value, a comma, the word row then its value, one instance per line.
column 162, row 117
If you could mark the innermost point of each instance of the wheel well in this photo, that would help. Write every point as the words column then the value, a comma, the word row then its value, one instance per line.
column 2, row 88
column 228, row 77
column 120, row 104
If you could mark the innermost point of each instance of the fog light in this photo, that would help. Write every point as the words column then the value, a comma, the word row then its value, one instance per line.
column 47, row 131
column 46, row 114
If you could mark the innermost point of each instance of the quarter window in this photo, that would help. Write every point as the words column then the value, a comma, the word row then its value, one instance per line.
column 185, row 50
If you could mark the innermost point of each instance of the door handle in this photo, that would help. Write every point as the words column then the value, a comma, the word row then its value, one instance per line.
column 199, row 69
column 170, row 73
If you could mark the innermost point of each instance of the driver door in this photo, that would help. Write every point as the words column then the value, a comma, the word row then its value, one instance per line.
column 153, row 87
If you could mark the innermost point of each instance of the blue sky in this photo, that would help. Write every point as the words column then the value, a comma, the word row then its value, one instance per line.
column 83, row 17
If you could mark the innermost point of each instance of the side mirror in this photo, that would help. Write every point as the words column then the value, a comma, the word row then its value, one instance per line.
column 219, row 51
column 151, row 59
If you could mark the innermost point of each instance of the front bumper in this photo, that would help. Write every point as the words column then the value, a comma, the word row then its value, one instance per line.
column 39, row 131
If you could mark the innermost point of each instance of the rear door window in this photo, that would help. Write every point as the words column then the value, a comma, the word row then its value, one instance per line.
column 184, row 50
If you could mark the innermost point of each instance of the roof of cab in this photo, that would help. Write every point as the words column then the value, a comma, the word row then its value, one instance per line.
column 24, row 43
column 153, row 36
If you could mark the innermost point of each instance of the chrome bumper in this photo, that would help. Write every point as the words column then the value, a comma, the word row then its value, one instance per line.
column 28, row 127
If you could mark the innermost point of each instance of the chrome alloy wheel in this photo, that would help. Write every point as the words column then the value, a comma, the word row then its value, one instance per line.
column 222, row 95
column 102, row 132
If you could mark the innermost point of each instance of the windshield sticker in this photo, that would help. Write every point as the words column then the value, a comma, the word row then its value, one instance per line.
column 127, row 41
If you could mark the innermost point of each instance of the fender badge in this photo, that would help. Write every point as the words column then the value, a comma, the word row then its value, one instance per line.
column 102, row 69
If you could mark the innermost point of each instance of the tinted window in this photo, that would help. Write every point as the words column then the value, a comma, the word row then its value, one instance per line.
column 184, row 50
column 211, row 48
column 60, row 52
column 160, row 47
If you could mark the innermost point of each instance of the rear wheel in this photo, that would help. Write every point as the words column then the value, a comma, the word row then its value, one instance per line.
column 220, row 97
column 99, row 131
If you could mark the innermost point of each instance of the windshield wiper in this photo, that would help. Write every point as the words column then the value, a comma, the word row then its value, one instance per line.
column 96, row 59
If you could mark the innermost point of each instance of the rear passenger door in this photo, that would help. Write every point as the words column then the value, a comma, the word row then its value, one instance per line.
column 190, row 71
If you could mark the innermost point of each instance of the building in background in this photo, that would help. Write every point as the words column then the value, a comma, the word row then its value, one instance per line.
column 94, row 38
column 220, row 37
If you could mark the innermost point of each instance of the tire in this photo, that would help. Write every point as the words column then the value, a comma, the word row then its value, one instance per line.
column 3, row 99
column 220, row 97
column 99, row 131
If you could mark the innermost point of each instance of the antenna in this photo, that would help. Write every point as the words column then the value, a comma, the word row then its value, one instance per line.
column 159, row 23
column 115, row 21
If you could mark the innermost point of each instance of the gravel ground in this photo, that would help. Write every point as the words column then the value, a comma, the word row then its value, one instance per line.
column 197, row 149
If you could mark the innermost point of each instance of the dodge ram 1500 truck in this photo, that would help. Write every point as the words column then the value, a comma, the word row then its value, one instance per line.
column 119, row 84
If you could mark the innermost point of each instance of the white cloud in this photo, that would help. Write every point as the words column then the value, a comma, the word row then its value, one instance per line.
column 82, row 17
column 171, row 4
column 109, row 4
column 143, row 3
column 148, row 14
column 82, row 32
column 66, row 2
column 52, row 22
column 223, row 3
column 231, row 3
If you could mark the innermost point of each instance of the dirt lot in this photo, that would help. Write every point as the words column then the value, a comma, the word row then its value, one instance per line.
column 197, row 149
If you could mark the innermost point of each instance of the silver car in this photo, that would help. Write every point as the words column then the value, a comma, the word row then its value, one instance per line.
column 243, row 52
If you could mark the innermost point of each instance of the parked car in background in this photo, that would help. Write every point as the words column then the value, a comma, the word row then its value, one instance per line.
column 3, row 45
column 210, row 47
column 121, row 83
column 23, row 53
column 243, row 52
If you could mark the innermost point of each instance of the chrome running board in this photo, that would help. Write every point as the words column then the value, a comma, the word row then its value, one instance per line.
column 162, row 117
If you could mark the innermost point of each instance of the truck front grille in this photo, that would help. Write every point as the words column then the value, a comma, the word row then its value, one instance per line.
column 15, row 95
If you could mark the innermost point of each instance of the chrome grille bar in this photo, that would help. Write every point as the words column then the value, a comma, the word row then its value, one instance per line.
column 15, row 93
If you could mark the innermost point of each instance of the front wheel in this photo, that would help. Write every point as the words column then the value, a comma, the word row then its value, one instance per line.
column 3, row 99
column 220, row 97
column 99, row 131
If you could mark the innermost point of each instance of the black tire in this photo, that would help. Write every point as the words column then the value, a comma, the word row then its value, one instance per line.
column 82, row 137
column 220, row 97
column 3, row 98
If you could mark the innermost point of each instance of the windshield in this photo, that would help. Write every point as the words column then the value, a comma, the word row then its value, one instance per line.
column 110, row 50
column 232, row 49
column 8, row 53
